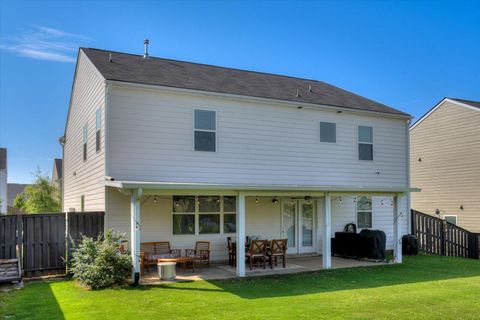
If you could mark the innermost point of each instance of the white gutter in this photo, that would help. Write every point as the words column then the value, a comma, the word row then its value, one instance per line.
column 250, row 187
column 256, row 99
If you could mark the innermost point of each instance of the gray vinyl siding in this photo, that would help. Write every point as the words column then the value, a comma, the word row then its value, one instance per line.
column 151, row 138
column 448, row 143
column 88, row 94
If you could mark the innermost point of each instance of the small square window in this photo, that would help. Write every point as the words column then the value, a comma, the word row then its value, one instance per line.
column 205, row 119
column 209, row 223
column 328, row 132
column 365, row 134
column 204, row 141
column 209, row 204
column 184, row 224
column 229, row 223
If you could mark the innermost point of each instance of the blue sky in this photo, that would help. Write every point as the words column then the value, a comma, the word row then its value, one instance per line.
column 407, row 55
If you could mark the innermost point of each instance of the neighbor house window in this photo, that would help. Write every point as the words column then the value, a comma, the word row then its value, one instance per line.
column 451, row 218
column 229, row 215
column 98, row 126
column 364, row 212
column 205, row 130
column 209, row 215
column 183, row 215
column 328, row 132
column 203, row 215
column 365, row 143
column 82, row 203
column 85, row 137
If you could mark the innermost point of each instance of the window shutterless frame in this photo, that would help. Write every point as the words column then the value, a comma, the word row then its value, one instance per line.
column 85, row 141
column 98, row 128
column 200, row 130
column 448, row 218
column 366, row 211
column 363, row 141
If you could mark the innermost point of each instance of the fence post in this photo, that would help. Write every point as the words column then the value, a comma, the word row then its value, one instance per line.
column 442, row 239
column 67, row 257
column 412, row 219
column 20, row 238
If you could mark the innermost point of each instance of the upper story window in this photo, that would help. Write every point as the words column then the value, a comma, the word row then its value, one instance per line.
column 85, row 137
column 365, row 143
column 205, row 130
column 328, row 132
column 364, row 212
column 98, row 128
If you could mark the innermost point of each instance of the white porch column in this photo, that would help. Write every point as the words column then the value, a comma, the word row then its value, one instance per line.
column 327, row 233
column 397, row 229
column 135, row 233
column 241, row 234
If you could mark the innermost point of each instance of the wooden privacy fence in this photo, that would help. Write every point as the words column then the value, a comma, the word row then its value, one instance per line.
column 438, row 236
column 44, row 240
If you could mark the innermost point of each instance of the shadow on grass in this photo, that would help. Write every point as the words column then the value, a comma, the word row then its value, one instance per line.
column 417, row 269
column 35, row 301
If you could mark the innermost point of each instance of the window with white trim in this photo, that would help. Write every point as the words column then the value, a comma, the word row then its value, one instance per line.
column 328, row 132
column 205, row 130
column 451, row 219
column 365, row 143
column 194, row 215
column 85, row 139
column 98, row 126
column 364, row 212
column 183, row 221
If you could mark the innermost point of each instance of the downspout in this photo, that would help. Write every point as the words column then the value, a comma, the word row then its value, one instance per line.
column 409, row 216
column 106, row 152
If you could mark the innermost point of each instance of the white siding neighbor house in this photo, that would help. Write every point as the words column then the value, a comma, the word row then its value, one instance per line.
column 445, row 158
column 3, row 181
column 178, row 151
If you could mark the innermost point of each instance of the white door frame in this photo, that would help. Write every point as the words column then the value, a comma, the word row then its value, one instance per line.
column 298, row 248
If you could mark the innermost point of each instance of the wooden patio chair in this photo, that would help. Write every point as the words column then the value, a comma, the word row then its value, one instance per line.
column 256, row 252
column 278, row 249
column 232, row 252
column 150, row 252
column 201, row 253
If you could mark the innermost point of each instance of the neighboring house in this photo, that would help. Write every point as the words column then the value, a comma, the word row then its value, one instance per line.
column 181, row 151
column 57, row 173
column 445, row 162
column 3, row 181
column 14, row 189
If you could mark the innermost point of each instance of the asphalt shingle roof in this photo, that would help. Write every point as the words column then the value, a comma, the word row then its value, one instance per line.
column 187, row 75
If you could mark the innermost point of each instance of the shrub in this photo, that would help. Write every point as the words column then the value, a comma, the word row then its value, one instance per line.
column 99, row 264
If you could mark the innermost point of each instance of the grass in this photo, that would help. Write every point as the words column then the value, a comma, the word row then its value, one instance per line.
column 424, row 287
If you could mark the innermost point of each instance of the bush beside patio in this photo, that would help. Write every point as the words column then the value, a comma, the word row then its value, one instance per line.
column 423, row 287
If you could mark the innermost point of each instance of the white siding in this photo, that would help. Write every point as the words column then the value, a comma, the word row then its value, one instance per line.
column 151, row 138
column 83, row 178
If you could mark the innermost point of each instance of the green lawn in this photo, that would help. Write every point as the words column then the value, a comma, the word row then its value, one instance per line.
column 423, row 287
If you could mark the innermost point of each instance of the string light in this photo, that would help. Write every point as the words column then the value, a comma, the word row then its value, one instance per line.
column 154, row 199
column 256, row 200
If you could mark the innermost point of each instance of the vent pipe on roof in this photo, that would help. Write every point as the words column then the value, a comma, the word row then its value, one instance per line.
column 110, row 58
column 146, row 42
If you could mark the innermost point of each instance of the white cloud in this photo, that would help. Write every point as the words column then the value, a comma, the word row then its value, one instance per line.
column 44, row 43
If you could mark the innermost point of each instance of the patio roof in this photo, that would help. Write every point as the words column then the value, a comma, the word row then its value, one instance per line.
column 163, row 185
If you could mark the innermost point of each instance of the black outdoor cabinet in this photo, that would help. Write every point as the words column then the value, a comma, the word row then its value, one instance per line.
column 366, row 244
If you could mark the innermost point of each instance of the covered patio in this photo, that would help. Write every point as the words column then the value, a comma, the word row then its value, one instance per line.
column 296, row 264
column 256, row 198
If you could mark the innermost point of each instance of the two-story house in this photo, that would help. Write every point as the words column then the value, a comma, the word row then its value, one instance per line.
column 445, row 162
column 181, row 151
